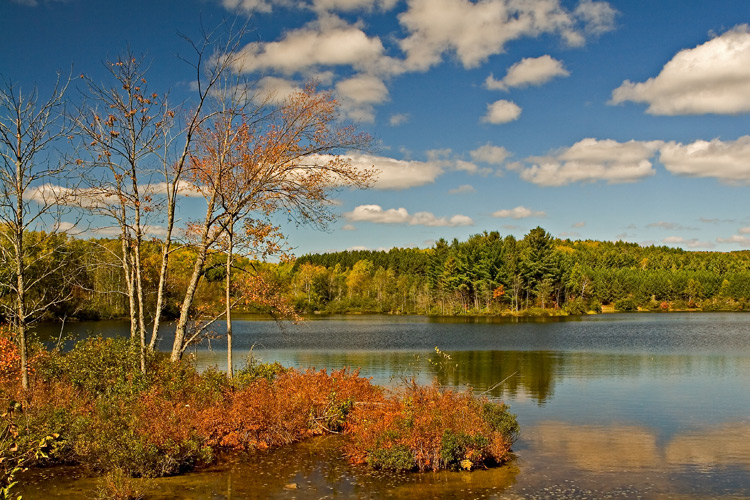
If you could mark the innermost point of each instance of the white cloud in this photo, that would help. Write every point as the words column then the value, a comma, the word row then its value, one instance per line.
column 350, row 5
column 349, row 227
column 727, row 161
column 711, row 78
column 591, row 160
column 569, row 234
column 494, row 155
column 501, row 111
column 359, row 94
column 249, row 5
column 328, row 41
column 528, row 71
column 447, row 160
column 579, row 224
column 376, row 215
column 398, row 119
column 744, row 230
column 691, row 243
column 671, row 226
column 599, row 17
column 470, row 168
column 519, row 212
column 321, row 6
column 738, row 239
column 276, row 89
column 464, row 189
column 474, row 31
column 398, row 174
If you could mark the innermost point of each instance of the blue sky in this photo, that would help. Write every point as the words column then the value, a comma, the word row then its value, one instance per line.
column 595, row 120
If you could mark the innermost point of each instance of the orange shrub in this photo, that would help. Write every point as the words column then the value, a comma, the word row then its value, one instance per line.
column 429, row 428
column 292, row 407
column 10, row 358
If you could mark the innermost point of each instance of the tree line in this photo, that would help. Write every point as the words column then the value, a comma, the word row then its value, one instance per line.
column 486, row 274
column 494, row 274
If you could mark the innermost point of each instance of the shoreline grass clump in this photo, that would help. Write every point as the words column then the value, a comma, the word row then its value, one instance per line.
column 113, row 419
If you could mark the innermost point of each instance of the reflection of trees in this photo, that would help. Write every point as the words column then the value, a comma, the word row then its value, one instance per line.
column 535, row 372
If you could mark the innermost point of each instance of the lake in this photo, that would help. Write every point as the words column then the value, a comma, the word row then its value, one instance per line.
column 610, row 406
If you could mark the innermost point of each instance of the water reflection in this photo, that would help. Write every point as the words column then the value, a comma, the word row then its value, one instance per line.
column 649, row 406
column 530, row 375
column 310, row 470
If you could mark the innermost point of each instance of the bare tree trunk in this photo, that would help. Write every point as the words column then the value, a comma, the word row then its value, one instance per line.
column 228, row 297
column 21, row 300
column 179, row 346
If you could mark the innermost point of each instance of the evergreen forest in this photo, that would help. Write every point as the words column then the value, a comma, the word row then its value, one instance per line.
column 488, row 274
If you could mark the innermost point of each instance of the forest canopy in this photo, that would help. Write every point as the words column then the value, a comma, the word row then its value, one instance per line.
column 486, row 274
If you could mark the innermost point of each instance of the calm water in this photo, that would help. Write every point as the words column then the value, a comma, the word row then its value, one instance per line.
column 610, row 406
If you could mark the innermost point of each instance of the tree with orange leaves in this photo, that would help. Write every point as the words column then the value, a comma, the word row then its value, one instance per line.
column 258, row 158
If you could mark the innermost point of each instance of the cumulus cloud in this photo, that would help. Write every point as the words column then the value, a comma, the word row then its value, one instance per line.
column 358, row 95
column 398, row 174
column 689, row 243
column 464, row 189
column 670, row 226
column 569, row 234
column 327, row 41
column 711, row 78
column 276, row 89
column 493, row 155
column 474, row 31
column 520, row 212
column 737, row 239
column 726, row 161
column 591, row 160
column 501, row 111
column 528, row 71
column 249, row 5
column 349, row 227
column 398, row 119
column 470, row 168
column 598, row 17
column 351, row 5
column 376, row 215
column 447, row 160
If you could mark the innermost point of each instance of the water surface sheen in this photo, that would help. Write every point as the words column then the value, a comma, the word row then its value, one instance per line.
column 610, row 406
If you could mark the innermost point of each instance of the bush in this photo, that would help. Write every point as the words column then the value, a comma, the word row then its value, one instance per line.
column 440, row 429
column 395, row 458
column 113, row 419
column 98, row 366
column 626, row 305
column 575, row 307
column 595, row 305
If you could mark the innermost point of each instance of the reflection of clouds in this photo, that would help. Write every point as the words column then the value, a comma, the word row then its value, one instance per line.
column 597, row 449
column 727, row 445
column 622, row 447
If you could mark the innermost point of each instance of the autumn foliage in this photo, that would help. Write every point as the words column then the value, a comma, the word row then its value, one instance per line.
column 112, row 417
column 430, row 428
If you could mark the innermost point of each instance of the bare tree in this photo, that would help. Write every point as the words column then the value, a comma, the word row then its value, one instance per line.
column 265, row 158
column 29, row 128
column 140, row 144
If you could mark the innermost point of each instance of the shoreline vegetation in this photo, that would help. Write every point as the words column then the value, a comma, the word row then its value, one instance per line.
column 486, row 275
column 93, row 407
